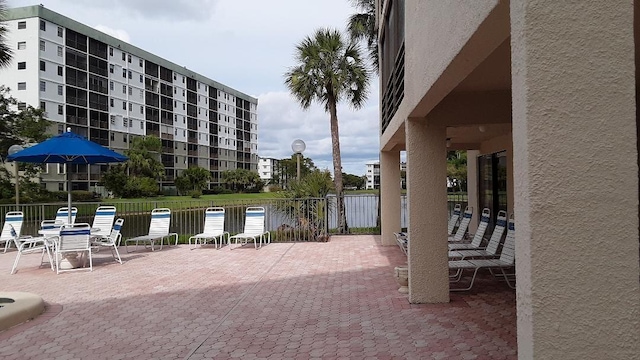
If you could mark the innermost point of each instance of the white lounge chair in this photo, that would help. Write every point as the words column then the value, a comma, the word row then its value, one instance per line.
column 158, row 230
column 30, row 246
column 492, row 247
column 62, row 217
column 11, row 219
column 505, row 262
column 213, row 228
column 112, row 241
column 464, row 225
column 74, row 238
column 253, row 228
column 103, row 220
column 476, row 243
column 403, row 241
column 454, row 219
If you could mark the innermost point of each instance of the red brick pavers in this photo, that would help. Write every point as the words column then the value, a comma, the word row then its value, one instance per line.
column 335, row 300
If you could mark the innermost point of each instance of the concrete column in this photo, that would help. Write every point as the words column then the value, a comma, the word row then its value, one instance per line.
column 472, row 187
column 390, row 195
column 576, row 182
column 427, row 205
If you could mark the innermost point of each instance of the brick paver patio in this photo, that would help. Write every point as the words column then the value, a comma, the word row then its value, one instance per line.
column 335, row 300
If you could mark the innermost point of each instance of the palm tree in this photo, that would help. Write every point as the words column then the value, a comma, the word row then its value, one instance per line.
column 362, row 27
column 330, row 70
column 5, row 51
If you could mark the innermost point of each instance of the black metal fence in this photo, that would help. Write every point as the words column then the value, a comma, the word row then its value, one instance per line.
column 310, row 219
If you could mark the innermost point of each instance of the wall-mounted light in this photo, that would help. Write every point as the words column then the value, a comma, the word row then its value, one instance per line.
column 482, row 128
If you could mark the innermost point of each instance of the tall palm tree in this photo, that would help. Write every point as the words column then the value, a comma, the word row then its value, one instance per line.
column 5, row 51
column 362, row 27
column 329, row 70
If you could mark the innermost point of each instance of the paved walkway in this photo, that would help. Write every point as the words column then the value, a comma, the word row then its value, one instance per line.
column 335, row 300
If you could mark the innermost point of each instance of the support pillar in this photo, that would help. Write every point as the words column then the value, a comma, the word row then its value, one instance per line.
column 472, row 187
column 576, row 179
column 427, row 209
column 390, row 196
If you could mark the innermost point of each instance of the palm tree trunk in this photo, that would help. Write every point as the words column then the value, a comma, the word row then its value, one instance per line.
column 337, row 167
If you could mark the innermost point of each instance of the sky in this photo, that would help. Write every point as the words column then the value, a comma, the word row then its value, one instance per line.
column 247, row 45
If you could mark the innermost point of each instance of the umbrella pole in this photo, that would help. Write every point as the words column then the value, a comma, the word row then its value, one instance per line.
column 68, row 196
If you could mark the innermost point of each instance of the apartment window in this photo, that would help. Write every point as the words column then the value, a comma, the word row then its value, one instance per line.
column 111, row 68
column 59, row 31
column 198, row 86
column 43, row 25
column 124, row 72
column 22, row 25
column 112, row 136
column 111, row 102
column 130, row 107
column 175, row 104
column 43, row 106
column 60, row 185
column 112, row 119
column 182, row 92
column 140, row 78
column 124, row 56
column 60, row 90
column 124, row 137
column 141, row 94
column 183, row 79
column 125, row 122
column 141, row 109
column 129, row 58
column 43, row 66
column 59, row 70
column 129, row 74
column 43, row 45
column 124, row 105
column 43, row 86
column 60, row 109
column 140, row 62
column 141, row 125
column 124, row 89
column 59, row 51
column 22, row 45
column 110, row 51
column 130, row 90
column 174, row 77
column 22, row 65
column 111, row 85
column 22, row 106
column 184, row 106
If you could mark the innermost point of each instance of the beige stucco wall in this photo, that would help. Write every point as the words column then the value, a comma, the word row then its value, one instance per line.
column 576, row 182
column 432, row 73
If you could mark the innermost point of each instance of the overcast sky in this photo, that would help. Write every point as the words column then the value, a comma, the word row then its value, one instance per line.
column 247, row 45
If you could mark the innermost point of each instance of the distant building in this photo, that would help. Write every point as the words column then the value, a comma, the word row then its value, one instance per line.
column 373, row 175
column 267, row 168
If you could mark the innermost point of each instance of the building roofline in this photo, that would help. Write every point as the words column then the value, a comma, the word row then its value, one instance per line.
column 59, row 19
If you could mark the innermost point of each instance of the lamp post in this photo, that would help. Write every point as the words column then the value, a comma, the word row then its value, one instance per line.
column 298, row 147
column 12, row 150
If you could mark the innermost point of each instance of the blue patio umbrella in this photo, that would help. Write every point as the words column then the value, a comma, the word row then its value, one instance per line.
column 67, row 148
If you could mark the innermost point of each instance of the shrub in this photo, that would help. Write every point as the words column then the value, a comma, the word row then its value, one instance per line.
column 195, row 194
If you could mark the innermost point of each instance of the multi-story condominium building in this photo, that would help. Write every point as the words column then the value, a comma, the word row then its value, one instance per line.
column 267, row 167
column 543, row 97
column 373, row 175
column 110, row 92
